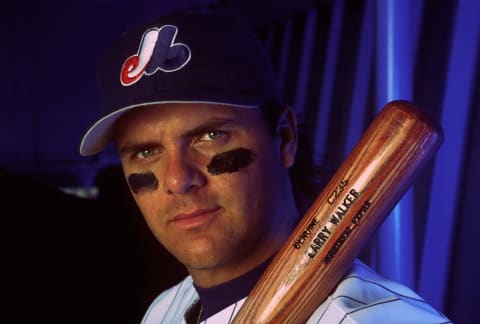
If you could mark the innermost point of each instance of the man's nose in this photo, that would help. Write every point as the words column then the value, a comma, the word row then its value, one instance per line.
column 182, row 175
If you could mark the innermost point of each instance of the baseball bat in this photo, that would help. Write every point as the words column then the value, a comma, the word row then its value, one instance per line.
column 354, row 203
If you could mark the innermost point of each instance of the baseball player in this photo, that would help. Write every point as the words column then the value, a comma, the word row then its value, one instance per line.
column 207, row 146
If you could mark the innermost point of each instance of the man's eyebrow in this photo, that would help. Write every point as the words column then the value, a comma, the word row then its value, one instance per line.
column 211, row 124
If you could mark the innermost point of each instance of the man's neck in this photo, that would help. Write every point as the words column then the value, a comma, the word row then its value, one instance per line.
column 214, row 277
column 216, row 298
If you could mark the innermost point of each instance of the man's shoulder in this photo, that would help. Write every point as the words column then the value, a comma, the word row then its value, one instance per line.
column 364, row 296
column 182, row 288
column 172, row 303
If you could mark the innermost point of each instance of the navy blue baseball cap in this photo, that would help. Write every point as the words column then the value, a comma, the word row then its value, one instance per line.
column 187, row 57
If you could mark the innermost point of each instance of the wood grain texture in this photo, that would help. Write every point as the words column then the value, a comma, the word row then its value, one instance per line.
column 354, row 203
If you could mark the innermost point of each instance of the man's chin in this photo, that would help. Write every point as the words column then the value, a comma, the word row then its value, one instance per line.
column 200, row 259
column 201, row 264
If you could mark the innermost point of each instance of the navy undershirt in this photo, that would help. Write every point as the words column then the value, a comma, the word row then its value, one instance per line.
column 216, row 298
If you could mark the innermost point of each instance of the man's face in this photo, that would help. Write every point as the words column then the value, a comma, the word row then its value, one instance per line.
column 211, row 182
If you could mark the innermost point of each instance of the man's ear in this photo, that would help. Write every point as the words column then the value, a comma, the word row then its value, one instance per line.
column 287, row 131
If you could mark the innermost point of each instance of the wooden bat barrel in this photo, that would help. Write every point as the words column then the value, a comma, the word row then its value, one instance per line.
column 357, row 199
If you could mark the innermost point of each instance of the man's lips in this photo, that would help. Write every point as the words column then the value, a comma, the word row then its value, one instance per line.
column 194, row 219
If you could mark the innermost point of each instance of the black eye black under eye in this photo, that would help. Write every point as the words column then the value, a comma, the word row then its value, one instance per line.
column 230, row 161
column 140, row 182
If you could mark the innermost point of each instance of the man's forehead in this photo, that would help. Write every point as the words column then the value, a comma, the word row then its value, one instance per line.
column 186, row 115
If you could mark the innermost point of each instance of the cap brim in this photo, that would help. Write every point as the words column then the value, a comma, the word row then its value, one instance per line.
column 99, row 135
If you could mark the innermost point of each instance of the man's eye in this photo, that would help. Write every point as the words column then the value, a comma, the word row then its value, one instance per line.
column 211, row 136
column 145, row 154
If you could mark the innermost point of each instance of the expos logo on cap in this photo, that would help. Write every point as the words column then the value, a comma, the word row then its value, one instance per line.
column 157, row 51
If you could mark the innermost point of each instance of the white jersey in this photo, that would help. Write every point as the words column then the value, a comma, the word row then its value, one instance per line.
column 361, row 297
